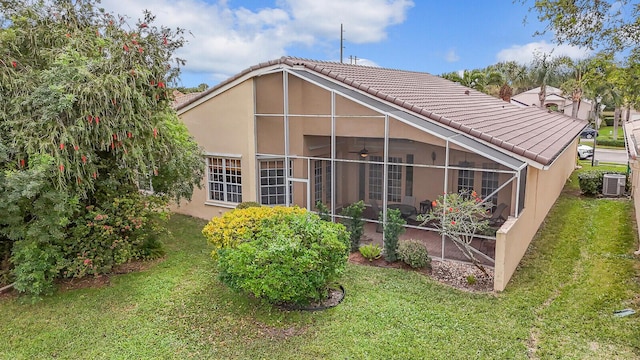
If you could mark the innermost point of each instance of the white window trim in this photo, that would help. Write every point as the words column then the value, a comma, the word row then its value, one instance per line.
column 225, row 156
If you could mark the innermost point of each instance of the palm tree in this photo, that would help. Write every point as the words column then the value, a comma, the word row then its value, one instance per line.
column 544, row 69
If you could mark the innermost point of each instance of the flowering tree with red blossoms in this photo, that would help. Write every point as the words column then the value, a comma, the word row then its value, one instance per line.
column 460, row 217
column 85, row 116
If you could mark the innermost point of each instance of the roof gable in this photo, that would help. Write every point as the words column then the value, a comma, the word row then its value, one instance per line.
column 530, row 132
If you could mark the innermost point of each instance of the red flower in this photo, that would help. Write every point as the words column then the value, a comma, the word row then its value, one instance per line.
column 87, row 261
column 474, row 194
column 115, row 137
column 155, row 132
column 129, row 134
column 155, row 172
column 143, row 25
column 125, row 48
column 67, row 35
column 453, row 223
column 160, row 84
column 22, row 162
column 61, row 146
column 89, row 119
column 84, row 159
column 164, row 40
column 95, row 175
column 14, row 64
column 434, row 203
column 450, row 209
column 140, row 50
column 76, row 147
column 97, row 120
column 61, row 167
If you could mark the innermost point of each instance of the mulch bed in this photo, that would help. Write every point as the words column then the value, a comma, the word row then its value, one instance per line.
column 452, row 273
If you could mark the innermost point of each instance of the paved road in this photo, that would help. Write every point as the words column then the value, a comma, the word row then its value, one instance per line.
column 611, row 155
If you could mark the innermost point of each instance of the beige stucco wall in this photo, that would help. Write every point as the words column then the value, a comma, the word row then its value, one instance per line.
column 635, row 189
column 514, row 237
column 223, row 125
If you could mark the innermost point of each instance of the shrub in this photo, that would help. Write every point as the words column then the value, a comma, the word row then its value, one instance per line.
column 354, row 223
column 591, row 181
column 290, row 258
column 393, row 228
column 471, row 280
column 610, row 142
column 323, row 211
column 414, row 253
column 371, row 252
column 234, row 227
column 247, row 204
column 460, row 217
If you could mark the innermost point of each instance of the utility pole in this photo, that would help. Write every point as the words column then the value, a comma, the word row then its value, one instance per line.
column 341, row 42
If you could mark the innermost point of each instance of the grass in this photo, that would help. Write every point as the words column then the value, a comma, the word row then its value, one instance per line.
column 558, row 305
column 606, row 132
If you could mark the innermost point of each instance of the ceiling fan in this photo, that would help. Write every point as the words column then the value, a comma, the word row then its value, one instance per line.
column 364, row 153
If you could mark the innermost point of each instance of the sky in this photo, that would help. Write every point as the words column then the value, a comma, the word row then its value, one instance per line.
column 433, row 36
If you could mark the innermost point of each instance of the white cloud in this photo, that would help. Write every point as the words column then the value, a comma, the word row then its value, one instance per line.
column 451, row 56
column 229, row 39
column 524, row 54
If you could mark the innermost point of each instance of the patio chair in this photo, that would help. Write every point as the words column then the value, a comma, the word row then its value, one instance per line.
column 496, row 218
column 409, row 200
column 376, row 212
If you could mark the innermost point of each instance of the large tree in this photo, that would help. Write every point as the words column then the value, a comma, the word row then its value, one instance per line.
column 85, row 111
column 612, row 25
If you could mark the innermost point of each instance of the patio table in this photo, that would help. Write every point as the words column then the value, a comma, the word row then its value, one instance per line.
column 405, row 210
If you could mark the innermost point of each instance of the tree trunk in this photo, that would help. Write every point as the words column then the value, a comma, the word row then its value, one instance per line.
column 628, row 114
column 576, row 97
column 542, row 95
column 616, row 119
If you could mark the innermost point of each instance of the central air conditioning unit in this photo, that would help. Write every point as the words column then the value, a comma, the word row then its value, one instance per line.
column 613, row 184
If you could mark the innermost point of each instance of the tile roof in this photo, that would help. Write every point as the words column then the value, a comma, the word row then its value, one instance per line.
column 533, row 133
column 180, row 98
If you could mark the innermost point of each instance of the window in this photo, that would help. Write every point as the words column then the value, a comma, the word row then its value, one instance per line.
column 394, row 181
column 375, row 178
column 224, row 179
column 329, row 182
column 465, row 178
column 489, row 184
column 317, row 178
column 408, row 190
column 272, row 183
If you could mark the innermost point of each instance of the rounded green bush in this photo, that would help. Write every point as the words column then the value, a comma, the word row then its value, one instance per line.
column 290, row 259
column 414, row 253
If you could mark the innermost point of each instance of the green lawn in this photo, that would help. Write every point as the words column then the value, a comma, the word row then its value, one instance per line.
column 606, row 132
column 578, row 270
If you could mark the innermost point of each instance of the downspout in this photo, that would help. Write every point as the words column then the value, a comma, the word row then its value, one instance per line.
column 385, row 176
column 446, row 188
column 333, row 155
column 285, row 87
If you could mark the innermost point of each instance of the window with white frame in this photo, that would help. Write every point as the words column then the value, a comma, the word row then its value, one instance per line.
column 375, row 178
column 329, row 182
column 465, row 178
column 394, row 180
column 489, row 184
column 394, row 192
column 272, row 182
column 317, row 181
column 224, row 179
